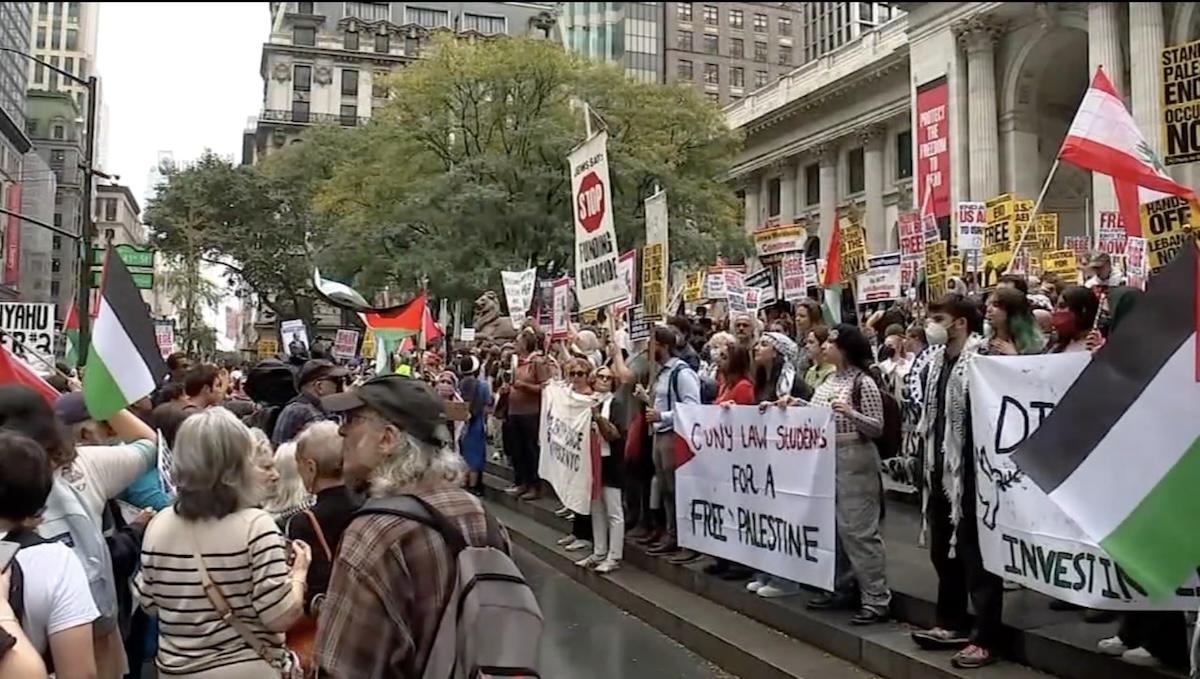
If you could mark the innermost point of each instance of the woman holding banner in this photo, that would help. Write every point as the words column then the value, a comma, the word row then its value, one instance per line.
column 734, row 387
column 577, row 371
column 609, row 421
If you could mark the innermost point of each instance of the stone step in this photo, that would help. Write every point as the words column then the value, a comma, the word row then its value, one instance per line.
column 1054, row 642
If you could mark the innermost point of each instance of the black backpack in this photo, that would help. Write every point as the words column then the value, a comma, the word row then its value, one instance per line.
column 891, row 439
column 16, row 584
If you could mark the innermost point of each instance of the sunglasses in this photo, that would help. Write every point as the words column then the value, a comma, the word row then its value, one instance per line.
column 604, row 376
column 576, row 373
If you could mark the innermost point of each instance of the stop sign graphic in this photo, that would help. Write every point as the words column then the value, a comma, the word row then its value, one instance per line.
column 589, row 202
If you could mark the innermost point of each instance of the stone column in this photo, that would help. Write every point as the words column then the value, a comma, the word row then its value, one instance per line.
column 787, row 191
column 827, row 155
column 1104, row 50
column 1146, row 34
column 750, row 187
column 872, row 138
column 978, row 36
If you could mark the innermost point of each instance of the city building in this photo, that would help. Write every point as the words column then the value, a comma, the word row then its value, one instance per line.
column 964, row 101
column 118, row 217
column 53, row 123
column 36, row 247
column 327, row 61
column 64, row 35
column 625, row 33
column 14, row 143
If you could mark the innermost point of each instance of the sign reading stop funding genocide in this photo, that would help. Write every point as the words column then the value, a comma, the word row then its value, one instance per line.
column 1180, row 66
column 1166, row 224
column 27, row 330
column 597, row 278
column 758, row 488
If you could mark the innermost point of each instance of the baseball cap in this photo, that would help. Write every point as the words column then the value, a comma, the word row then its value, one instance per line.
column 409, row 404
column 70, row 408
column 319, row 369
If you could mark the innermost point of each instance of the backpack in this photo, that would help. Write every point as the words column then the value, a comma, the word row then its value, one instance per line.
column 16, row 583
column 890, row 439
column 491, row 624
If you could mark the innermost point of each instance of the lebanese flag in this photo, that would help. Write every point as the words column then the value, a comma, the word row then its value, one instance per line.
column 1104, row 138
column 14, row 371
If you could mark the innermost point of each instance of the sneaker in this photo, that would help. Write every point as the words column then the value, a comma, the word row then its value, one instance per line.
column 868, row 616
column 578, row 545
column 759, row 581
column 1140, row 657
column 565, row 540
column 829, row 602
column 777, row 588
column 529, row 496
column 684, row 556
column 607, row 566
column 664, row 548
column 1112, row 646
column 939, row 638
column 514, row 490
column 589, row 561
column 563, row 513
column 972, row 657
column 649, row 539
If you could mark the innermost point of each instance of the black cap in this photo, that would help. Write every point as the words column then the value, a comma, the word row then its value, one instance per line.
column 70, row 409
column 319, row 369
column 409, row 404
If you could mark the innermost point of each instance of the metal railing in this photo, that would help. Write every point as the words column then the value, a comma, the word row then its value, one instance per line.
column 289, row 116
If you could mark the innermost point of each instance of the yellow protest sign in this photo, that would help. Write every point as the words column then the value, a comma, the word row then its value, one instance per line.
column 852, row 248
column 935, row 268
column 267, row 348
column 1000, row 207
column 1045, row 225
column 954, row 267
column 1180, row 67
column 997, row 239
column 1166, row 224
column 1062, row 263
column 654, row 282
column 693, row 287
column 368, row 344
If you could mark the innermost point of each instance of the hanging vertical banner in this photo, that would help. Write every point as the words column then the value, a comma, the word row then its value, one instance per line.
column 735, row 290
column 345, row 344
column 1180, row 66
column 972, row 219
column 791, row 270
column 933, row 146
column 560, row 308
column 518, row 291
column 693, row 287
column 1135, row 262
column 654, row 282
column 627, row 263
column 597, row 280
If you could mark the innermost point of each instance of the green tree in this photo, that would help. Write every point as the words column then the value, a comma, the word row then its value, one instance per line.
column 463, row 173
column 191, row 293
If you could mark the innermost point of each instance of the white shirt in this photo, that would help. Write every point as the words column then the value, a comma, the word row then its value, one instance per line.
column 57, row 596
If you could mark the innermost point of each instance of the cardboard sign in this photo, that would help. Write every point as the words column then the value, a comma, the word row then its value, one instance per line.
column 714, row 284
column 560, row 305
column 457, row 411
column 735, row 290
column 852, row 248
column 1179, row 67
column 466, row 335
column 597, row 280
column 693, row 287
column 164, row 337
column 518, row 291
column 267, row 348
column 753, row 299
column 792, row 275
column 27, row 330
column 368, row 344
column 771, row 242
column 1135, row 263
column 654, row 281
column 639, row 327
column 762, row 280
column 997, row 250
column 345, row 344
column 879, row 284
column 935, row 268
column 1062, row 263
column 972, row 219
column 912, row 246
column 1166, row 224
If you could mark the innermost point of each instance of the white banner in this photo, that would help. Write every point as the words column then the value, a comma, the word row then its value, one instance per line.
column 27, row 330
column 760, row 489
column 1023, row 535
column 345, row 344
column 518, row 292
column 597, row 281
column 565, row 436
column 792, row 274
column 972, row 218
column 879, row 284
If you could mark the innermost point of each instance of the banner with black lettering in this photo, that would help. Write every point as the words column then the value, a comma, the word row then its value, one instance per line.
column 27, row 330
column 565, row 436
column 758, row 488
column 1023, row 535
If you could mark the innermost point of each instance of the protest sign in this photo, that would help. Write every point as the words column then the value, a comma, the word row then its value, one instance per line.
column 997, row 239
column 565, row 434
column 760, row 488
column 654, row 281
column 294, row 337
column 639, row 328
column 764, row 281
column 267, row 348
column 954, row 266
column 368, row 345
column 879, row 284
column 693, row 287
column 972, row 218
column 560, row 308
column 935, row 268
column 518, row 292
column 852, row 247
column 735, row 290
column 1044, row 235
column 597, row 281
column 1135, row 262
column 1179, row 66
column 771, row 242
column 27, row 330
column 1166, row 224
column 627, row 263
column 466, row 335
column 1062, row 263
column 164, row 337
column 754, row 299
column 657, row 219
column 791, row 269
column 714, row 283
column 1111, row 234
column 814, row 269
column 1023, row 535
column 345, row 344
column 884, row 260
column 912, row 246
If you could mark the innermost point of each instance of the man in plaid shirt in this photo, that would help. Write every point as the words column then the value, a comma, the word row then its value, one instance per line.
column 392, row 576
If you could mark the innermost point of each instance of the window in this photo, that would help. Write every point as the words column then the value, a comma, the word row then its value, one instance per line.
column 712, row 44
column 904, row 164
column 711, row 16
column 712, row 74
column 486, row 25
column 304, row 35
column 812, row 184
column 55, row 265
column 349, row 114
column 412, row 46
column 58, row 219
column 785, row 25
column 856, row 170
column 760, row 51
column 304, row 8
column 302, row 78
column 370, row 11
column 349, row 82
column 58, row 157
column 773, row 191
column 737, row 48
column 351, row 40
column 69, row 65
column 379, row 88
column 785, row 55
column 299, row 111
column 429, row 18
column 683, row 41
column 713, row 97
column 54, row 288
column 110, row 210
column 736, row 18
column 72, row 39
column 43, row 8
column 110, row 234
column 55, row 37
column 864, row 11
column 39, row 73
column 737, row 76
column 72, row 12
column 58, row 132
column 685, row 71
column 57, row 241
column 383, row 43
column 760, row 78
column 760, row 23
column 41, row 37
column 683, row 11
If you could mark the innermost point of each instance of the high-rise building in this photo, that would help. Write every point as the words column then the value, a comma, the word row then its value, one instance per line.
column 326, row 61
column 38, row 189
column 827, row 26
column 625, row 33
column 14, row 143
column 64, row 35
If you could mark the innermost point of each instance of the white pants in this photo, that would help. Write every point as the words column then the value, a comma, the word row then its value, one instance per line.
column 608, row 525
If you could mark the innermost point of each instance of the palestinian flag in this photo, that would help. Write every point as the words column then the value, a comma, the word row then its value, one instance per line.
column 14, row 371
column 831, row 282
column 1120, row 454
column 71, row 331
column 123, row 361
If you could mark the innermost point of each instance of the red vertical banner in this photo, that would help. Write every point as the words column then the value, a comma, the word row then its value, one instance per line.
column 933, row 146
column 12, row 235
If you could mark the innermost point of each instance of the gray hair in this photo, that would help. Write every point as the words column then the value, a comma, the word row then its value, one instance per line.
column 211, row 465
column 415, row 462
column 290, row 491
column 321, row 442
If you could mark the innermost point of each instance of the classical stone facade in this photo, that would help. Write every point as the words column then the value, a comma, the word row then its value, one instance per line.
column 833, row 134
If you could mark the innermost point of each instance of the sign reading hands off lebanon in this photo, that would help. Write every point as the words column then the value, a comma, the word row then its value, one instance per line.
column 759, row 488
column 1023, row 535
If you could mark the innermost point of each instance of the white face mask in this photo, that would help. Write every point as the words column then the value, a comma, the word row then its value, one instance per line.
column 936, row 334
column 988, row 331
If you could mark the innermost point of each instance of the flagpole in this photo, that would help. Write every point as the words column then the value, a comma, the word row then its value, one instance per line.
column 1037, row 206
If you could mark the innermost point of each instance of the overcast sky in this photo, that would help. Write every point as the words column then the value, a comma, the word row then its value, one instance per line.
column 178, row 76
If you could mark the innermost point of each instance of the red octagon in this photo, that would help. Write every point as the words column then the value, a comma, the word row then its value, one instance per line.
column 589, row 202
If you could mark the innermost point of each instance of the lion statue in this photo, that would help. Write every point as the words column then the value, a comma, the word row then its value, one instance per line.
column 489, row 322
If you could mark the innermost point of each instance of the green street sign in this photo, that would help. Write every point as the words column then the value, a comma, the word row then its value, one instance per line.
column 141, row 281
column 130, row 256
